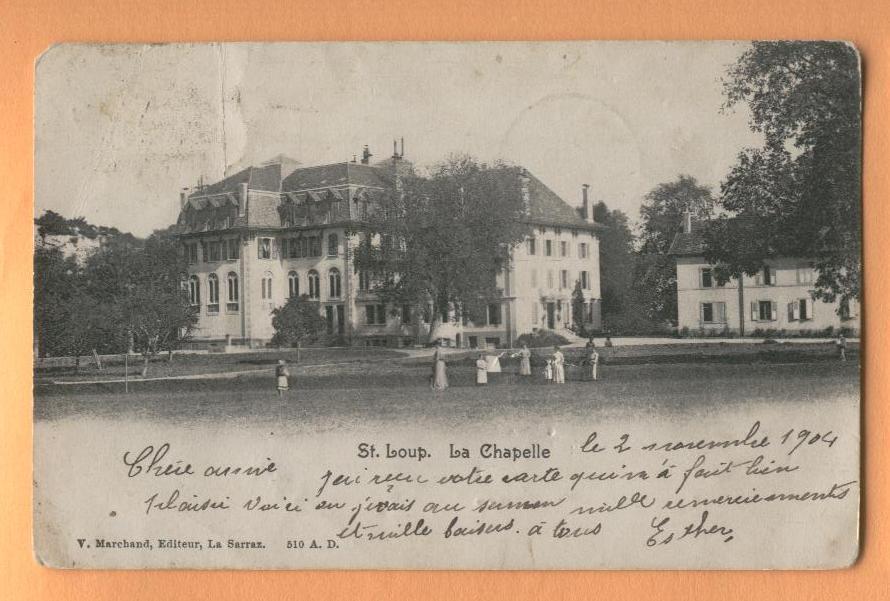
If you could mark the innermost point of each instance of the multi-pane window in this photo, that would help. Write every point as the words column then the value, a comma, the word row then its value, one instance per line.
column 765, row 277
column 582, row 250
column 375, row 315
column 191, row 253
column 233, row 294
column 406, row 314
column 296, row 248
column 264, row 248
column 713, row 312
column 846, row 309
column 267, row 286
column 314, row 285
column 563, row 279
column 801, row 309
column 234, row 248
column 707, row 278
column 314, row 246
column 194, row 291
column 215, row 251
column 293, row 284
column 334, row 283
column 364, row 281
column 550, row 279
column 805, row 275
column 763, row 311
column 585, row 280
column 534, row 278
column 548, row 248
column 563, row 249
column 333, row 245
column 212, row 293
column 494, row 314
column 530, row 246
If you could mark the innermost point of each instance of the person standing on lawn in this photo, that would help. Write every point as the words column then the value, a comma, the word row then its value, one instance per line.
column 440, row 376
column 559, row 366
column 841, row 344
column 593, row 359
column 281, row 375
column 525, row 361
column 481, row 370
column 548, row 371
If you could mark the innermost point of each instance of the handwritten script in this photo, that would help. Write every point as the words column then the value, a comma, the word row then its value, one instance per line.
column 650, row 493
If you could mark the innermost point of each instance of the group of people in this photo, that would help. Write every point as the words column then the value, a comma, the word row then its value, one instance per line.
column 554, row 369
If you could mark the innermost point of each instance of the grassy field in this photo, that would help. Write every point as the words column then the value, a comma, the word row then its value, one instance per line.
column 328, row 397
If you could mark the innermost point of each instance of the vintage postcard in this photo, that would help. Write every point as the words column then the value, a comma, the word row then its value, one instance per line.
column 564, row 305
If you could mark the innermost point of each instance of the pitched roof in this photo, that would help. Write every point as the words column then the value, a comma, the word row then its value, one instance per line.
column 309, row 194
column 690, row 244
column 547, row 208
column 337, row 174
column 266, row 176
column 693, row 244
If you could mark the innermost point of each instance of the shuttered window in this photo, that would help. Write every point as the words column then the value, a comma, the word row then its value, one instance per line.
column 764, row 310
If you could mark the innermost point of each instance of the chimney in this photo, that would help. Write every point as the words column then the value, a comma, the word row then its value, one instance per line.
column 526, row 197
column 395, row 150
column 402, row 149
column 687, row 222
column 242, row 200
column 183, row 197
column 586, row 209
column 366, row 155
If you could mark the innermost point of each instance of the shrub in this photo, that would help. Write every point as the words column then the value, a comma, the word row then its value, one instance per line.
column 541, row 338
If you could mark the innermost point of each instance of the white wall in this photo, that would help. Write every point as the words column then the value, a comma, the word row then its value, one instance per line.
column 793, row 281
column 530, row 281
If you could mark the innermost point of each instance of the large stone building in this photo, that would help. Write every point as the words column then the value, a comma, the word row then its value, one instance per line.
column 780, row 297
column 279, row 229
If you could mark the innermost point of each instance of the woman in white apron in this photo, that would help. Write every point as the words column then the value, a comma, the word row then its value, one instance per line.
column 481, row 370
column 440, row 375
column 525, row 363
column 559, row 366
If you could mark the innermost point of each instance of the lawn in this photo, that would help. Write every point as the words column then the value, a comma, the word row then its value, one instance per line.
column 331, row 397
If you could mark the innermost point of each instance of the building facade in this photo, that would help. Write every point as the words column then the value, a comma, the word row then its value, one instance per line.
column 779, row 297
column 266, row 233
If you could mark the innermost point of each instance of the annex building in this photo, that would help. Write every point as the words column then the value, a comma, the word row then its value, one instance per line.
column 779, row 297
column 277, row 230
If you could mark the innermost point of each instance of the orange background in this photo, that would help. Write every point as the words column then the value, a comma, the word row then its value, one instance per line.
column 29, row 27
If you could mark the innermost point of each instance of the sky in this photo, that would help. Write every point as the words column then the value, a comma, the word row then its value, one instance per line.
column 121, row 129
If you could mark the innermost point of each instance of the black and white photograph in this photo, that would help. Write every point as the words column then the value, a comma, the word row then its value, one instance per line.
column 463, row 305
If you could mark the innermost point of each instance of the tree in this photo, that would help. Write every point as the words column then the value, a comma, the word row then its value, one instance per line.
column 661, row 215
column 439, row 242
column 661, row 219
column 578, row 305
column 68, row 319
column 142, row 284
column 298, row 322
column 800, row 193
column 621, row 310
